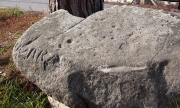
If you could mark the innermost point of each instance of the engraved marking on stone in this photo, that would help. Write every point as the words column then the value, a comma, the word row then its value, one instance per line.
column 32, row 40
column 31, row 50
column 17, row 47
column 43, row 54
column 23, row 50
column 33, row 54
column 39, row 54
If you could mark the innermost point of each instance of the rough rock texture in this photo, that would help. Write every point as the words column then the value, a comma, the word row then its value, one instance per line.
column 122, row 57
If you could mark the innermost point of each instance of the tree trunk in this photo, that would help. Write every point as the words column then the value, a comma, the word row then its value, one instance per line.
column 80, row 8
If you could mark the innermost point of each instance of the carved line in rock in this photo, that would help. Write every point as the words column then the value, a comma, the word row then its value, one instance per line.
column 51, row 60
column 164, row 43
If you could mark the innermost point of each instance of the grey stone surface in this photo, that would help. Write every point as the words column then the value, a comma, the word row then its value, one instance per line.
column 122, row 57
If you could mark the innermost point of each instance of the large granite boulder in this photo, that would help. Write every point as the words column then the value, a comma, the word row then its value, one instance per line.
column 122, row 57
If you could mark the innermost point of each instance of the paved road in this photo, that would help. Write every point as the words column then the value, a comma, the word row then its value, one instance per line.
column 40, row 5
column 35, row 5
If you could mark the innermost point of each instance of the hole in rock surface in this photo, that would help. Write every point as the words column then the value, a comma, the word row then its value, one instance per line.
column 60, row 46
column 69, row 41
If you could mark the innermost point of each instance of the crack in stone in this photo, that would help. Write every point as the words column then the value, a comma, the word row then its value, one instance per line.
column 73, row 26
column 164, row 43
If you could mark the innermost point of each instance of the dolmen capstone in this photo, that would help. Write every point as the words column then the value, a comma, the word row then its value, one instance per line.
column 121, row 57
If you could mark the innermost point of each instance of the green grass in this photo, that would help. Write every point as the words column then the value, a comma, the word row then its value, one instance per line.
column 6, row 12
column 15, row 90
column 16, row 12
column 2, row 50
column 175, row 102
column 13, row 95
column 18, row 35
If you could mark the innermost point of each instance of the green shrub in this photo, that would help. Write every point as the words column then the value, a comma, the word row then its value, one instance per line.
column 18, row 12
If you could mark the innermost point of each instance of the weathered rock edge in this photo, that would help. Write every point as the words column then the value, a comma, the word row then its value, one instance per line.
column 56, row 104
column 120, row 57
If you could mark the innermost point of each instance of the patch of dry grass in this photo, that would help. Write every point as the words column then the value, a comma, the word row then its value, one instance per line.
column 13, row 23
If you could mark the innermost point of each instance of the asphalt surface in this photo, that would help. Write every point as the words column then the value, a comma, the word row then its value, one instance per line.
column 32, row 5
column 26, row 5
